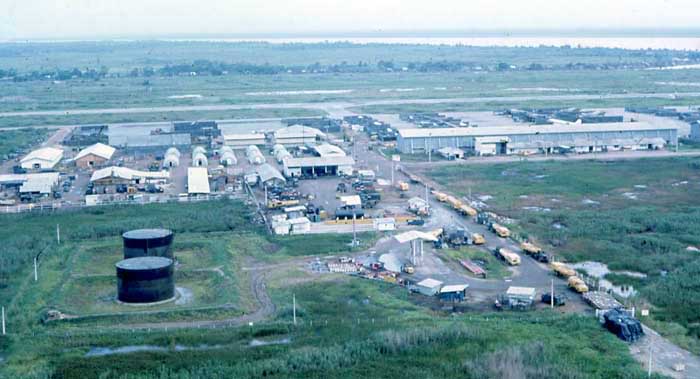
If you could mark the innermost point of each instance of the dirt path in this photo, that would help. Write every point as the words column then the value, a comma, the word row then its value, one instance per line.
column 265, row 308
column 664, row 356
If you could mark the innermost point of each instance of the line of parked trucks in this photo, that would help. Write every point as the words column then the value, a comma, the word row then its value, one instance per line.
column 510, row 257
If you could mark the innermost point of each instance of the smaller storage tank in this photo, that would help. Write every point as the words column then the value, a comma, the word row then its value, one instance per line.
column 145, row 279
column 148, row 242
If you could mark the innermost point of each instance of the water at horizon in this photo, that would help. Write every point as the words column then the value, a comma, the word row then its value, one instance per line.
column 674, row 43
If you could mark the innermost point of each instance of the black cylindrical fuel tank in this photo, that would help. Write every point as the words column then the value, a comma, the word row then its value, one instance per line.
column 145, row 279
column 148, row 243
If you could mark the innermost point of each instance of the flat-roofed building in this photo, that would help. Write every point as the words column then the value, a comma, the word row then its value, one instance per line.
column 123, row 175
column 243, row 140
column 318, row 166
column 539, row 138
column 198, row 181
column 297, row 135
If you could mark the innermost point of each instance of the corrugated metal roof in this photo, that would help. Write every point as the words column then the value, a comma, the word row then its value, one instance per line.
column 127, row 174
column 319, row 161
column 414, row 235
column 298, row 131
column 328, row 150
column 197, row 180
column 430, row 283
column 267, row 173
column 521, row 291
column 454, row 288
column 49, row 154
column 172, row 151
column 99, row 149
column 351, row 200
column 150, row 140
column 529, row 129
column 243, row 136
column 41, row 183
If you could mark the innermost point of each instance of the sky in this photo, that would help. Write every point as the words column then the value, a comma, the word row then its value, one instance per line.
column 99, row 19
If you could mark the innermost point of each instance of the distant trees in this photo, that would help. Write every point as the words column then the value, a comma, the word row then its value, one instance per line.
column 524, row 59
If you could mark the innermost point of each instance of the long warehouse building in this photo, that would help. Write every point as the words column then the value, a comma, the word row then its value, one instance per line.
column 520, row 139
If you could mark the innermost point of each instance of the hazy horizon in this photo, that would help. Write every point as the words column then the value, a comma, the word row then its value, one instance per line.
column 131, row 19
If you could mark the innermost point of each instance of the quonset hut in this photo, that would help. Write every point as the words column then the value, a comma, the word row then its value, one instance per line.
column 145, row 280
column 148, row 242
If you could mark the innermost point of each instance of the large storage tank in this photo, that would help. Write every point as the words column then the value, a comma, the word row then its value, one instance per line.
column 148, row 242
column 145, row 280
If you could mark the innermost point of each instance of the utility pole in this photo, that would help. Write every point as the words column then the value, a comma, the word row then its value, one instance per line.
column 392, row 171
column 428, row 145
column 3, row 321
column 426, row 194
column 551, row 300
column 354, row 234
column 649, row 373
column 265, row 185
column 36, row 273
column 58, row 234
column 294, row 308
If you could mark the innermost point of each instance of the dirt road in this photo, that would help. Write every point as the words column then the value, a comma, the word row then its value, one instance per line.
column 265, row 308
column 664, row 356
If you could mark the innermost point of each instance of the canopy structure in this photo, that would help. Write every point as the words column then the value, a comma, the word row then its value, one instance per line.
column 416, row 239
column 352, row 200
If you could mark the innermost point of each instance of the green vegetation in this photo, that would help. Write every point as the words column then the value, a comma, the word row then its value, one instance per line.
column 347, row 327
column 495, row 268
column 488, row 105
column 637, row 215
column 120, row 90
column 15, row 142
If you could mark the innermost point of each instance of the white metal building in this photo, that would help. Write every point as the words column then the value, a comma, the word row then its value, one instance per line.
column 311, row 166
column 116, row 174
column 171, row 158
column 429, row 287
column 241, row 141
column 297, row 135
column 254, row 155
column 226, row 156
column 197, row 181
column 45, row 158
column 539, row 138
column 269, row 175
column 328, row 150
column 41, row 183
column 199, row 157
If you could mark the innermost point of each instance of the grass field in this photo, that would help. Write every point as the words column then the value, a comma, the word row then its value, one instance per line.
column 284, row 88
column 637, row 215
column 14, row 142
column 347, row 329
column 495, row 268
